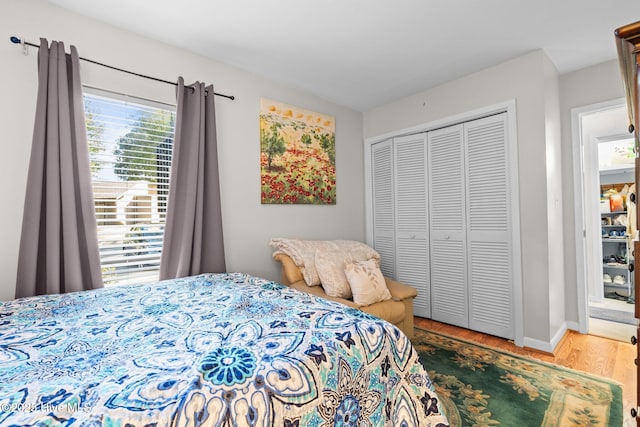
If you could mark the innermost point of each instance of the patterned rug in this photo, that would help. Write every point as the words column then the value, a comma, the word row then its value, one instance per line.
column 481, row 386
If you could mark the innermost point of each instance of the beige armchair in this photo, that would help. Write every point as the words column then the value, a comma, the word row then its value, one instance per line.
column 398, row 310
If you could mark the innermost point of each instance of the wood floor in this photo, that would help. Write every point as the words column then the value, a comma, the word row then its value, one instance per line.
column 599, row 356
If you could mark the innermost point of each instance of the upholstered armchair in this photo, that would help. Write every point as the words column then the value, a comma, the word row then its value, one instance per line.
column 397, row 309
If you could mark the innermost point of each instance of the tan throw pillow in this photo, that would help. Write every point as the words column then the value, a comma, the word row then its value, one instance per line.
column 330, row 267
column 366, row 282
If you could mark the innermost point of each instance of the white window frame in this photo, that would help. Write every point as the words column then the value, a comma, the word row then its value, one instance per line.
column 129, row 213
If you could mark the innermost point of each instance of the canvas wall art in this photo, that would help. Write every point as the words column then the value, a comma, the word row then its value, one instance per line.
column 297, row 155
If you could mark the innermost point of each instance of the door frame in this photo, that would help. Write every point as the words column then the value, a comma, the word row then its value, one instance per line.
column 583, row 234
column 508, row 107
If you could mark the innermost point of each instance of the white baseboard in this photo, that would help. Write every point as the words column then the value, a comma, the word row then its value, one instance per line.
column 545, row 346
column 574, row 326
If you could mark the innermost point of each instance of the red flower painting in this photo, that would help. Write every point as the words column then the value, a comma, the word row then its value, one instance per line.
column 297, row 155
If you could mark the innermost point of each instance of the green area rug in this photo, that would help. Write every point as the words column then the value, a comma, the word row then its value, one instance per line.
column 481, row 386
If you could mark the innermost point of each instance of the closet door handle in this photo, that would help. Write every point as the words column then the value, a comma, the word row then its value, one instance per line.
column 446, row 237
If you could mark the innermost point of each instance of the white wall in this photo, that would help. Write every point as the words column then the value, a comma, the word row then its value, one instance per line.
column 591, row 85
column 522, row 79
column 554, row 201
column 248, row 225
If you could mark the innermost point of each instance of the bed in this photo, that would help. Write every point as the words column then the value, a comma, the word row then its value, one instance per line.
column 215, row 349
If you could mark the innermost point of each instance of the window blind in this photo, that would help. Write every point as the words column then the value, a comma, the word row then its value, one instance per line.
column 130, row 146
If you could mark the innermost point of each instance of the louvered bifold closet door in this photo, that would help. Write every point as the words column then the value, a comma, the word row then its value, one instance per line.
column 447, row 226
column 412, row 244
column 383, row 212
column 489, row 227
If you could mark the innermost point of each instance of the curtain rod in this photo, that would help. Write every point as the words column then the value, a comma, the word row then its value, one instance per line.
column 17, row 40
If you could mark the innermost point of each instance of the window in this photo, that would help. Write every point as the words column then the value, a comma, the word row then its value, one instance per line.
column 130, row 146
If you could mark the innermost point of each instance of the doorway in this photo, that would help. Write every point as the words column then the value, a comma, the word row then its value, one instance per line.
column 603, row 174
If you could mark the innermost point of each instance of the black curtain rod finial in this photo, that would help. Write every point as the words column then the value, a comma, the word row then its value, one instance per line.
column 18, row 40
column 25, row 44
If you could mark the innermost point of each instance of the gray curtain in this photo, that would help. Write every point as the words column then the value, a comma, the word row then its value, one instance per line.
column 59, row 244
column 193, row 241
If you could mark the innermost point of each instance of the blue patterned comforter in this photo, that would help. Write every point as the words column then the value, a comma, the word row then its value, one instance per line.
column 215, row 350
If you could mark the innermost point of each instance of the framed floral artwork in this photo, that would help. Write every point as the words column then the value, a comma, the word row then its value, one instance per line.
column 297, row 155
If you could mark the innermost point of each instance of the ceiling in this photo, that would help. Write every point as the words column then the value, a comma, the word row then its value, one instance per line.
column 365, row 53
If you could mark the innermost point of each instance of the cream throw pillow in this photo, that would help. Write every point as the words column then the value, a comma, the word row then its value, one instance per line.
column 366, row 282
column 330, row 267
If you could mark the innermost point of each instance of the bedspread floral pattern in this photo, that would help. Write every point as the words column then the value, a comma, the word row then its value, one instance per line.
column 217, row 349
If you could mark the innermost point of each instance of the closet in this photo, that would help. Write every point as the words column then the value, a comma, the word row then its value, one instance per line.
column 441, row 221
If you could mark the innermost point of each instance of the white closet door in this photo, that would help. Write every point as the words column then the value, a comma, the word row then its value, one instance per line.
column 412, row 237
column 489, row 227
column 383, row 200
column 449, row 298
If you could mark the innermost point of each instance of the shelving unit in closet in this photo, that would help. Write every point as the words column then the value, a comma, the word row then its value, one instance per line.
column 617, row 279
